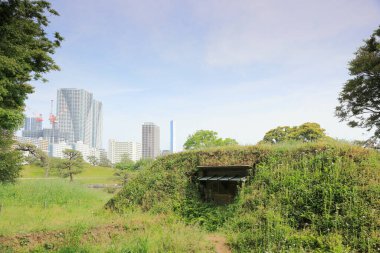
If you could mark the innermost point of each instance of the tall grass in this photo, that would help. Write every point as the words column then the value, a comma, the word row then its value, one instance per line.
column 49, row 204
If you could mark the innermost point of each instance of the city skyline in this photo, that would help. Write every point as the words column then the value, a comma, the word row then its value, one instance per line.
column 34, row 124
column 237, row 74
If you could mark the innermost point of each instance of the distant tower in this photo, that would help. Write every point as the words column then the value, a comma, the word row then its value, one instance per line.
column 150, row 140
column 79, row 117
column 172, row 137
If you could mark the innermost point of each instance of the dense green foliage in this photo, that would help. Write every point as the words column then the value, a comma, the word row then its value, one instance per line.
column 319, row 196
column 206, row 139
column 359, row 100
column 25, row 55
column 305, row 132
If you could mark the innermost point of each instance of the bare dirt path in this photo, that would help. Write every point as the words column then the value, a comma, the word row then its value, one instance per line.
column 220, row 243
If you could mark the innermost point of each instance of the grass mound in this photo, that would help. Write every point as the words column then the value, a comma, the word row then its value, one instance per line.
column 303, row 197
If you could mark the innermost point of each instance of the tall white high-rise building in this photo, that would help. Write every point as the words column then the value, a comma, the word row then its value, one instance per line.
column 117, row 150
column 150, row 140
column 79, row 117
column 172, row 137
column 97, row 127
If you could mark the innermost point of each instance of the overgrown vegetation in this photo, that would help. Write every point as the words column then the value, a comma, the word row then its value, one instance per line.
column 303, row 197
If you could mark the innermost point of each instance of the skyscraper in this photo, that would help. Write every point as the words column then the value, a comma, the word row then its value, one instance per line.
column 33, row 124
column 97, row 127
column 32, row 127
column 172, row 137
column 79, row 117
column 150, row 140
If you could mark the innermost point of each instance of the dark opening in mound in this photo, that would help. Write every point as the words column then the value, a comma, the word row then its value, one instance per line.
column 220, row 184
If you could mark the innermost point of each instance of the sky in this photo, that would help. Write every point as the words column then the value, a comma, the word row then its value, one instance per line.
column 239, row 67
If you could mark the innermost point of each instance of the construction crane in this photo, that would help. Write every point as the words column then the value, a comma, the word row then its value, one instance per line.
column 53, row 120
column 38, row 116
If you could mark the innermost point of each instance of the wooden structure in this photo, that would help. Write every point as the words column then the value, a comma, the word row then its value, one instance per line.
column 219, row 184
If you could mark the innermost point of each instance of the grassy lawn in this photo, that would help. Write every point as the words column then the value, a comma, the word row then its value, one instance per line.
column 89, row 175
column 32, row 205
column 58, row 216
column 97, row 175
column 32, row 171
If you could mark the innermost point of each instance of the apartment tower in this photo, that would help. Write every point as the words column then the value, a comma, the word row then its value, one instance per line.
column 150, row 140
column 117, row 150
column 172, row 137
column 79, row 117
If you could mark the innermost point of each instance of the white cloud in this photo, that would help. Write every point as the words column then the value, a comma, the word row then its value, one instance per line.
column 242, row 32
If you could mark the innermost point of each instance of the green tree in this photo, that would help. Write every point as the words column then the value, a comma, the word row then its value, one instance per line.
column 125, row 164
column 359, row 101
column 38, row 154
column 25, row 54
column 71, row 164
column 278, row 134
column 93, row 160
column 104, row 162
column 305, row 132
column 205, row 139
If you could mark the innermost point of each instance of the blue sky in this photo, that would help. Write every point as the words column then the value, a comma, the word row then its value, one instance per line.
column 237, row 67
